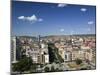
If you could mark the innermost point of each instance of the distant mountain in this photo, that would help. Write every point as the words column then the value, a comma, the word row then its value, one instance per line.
column 79, row 35
column 52, row 36
column 28, row 37
column 85, row 35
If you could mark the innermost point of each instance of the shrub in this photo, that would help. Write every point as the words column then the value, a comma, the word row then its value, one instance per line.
column 78, row 61
column 47, row 69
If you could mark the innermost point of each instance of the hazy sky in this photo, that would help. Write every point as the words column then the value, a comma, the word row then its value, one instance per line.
column 31, row 18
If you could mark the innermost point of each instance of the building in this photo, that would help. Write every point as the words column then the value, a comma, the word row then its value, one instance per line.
column 16, row 48
column 78, row 54
column 13, row 50
column 67, row 56
column 37, row 51
column 44, row 53
column 89, row 55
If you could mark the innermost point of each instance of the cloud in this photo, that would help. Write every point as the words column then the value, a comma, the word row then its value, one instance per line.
column 83, row 9
column 62, row 30
column 32, row 18
column 40, row 19
column 21, row 17
column 90, row 22
column 62, row 5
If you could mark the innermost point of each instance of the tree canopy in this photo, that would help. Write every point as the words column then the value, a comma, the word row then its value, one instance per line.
column 23, row 65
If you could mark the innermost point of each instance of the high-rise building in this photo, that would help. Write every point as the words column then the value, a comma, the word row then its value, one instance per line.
column 13, row 50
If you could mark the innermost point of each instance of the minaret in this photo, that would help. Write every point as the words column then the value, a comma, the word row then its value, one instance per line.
column 39, row 41
column 40, row 56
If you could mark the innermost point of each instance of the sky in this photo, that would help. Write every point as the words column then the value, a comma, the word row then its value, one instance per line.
column 34, row 18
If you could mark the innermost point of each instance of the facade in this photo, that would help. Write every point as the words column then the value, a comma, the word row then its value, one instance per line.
column 13, row 50
column 88, row 55
column 38, row 51
column 46, row 58
column 44, row 53
column 67, row 56
column 78, row 54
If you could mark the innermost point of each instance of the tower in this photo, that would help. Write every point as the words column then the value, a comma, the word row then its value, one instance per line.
column 39, row 41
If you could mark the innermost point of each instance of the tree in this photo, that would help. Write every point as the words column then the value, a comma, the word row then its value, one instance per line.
column 52, row 69
column 57, row 69
column 33, row 68
column 78, row 61
column 23, row 65
column 47, row 69
column 54, row 54
column 83, row 69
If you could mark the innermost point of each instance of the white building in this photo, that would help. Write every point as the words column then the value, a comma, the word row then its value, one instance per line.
column 67, row 56
column 46, row 58
column 13, row 50
column 89, row 55
column 44, row 53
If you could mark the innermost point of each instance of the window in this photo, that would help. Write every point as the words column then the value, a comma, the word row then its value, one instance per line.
column 65, row 56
